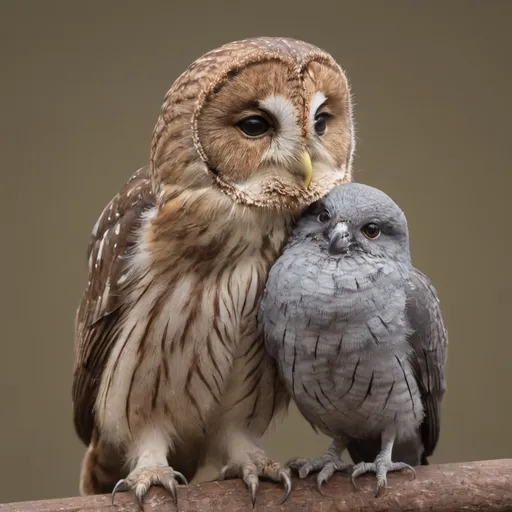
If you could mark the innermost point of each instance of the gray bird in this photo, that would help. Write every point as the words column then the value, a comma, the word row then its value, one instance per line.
column 358, row 335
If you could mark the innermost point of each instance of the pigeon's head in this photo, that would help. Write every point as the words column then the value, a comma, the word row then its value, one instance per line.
column 356, row 218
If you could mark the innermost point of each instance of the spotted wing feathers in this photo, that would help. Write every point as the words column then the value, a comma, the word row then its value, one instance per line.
column 98, row 317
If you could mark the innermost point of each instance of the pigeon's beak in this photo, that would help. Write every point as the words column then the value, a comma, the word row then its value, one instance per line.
column 340, row 239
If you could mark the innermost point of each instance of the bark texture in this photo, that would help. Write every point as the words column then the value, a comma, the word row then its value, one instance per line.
column 469, row 486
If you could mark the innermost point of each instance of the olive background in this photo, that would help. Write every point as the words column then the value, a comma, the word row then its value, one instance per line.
column 81, row 86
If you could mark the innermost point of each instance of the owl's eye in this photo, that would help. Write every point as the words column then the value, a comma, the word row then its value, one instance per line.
column 324, row 217
column 254, row 126
column 371, row 230
column 321, row 123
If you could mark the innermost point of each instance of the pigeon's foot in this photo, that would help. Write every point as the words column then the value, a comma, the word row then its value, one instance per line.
column 258, row 466
column 381, row 466
column 141, row 479
column 327, row 464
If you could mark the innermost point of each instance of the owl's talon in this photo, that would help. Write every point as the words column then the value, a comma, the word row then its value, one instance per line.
column 170, row 485
column 287, row 481
column 253, row 487
column 140, row 491
column 258, row 467
column 141, row 479
column 181, row 477
column 119, row 487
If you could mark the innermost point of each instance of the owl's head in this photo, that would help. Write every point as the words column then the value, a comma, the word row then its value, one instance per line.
column 268, row 120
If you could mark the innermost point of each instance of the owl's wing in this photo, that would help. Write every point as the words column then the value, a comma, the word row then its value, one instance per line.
column 97, row 320
column 429, row 343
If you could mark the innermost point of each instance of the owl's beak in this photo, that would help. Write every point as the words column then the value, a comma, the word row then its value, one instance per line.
column 306, row 168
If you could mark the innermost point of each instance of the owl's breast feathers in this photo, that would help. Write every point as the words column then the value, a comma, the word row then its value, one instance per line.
column 169, row 313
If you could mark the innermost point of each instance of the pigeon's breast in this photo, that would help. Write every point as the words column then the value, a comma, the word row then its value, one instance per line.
column 343, row 345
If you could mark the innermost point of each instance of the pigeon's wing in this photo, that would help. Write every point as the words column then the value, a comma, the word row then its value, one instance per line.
column 429, row 342
column 273, row 313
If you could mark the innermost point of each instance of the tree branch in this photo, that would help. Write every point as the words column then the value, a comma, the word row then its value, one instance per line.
column 470, row 486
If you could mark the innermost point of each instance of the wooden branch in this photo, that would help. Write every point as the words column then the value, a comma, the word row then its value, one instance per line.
column 470, row 486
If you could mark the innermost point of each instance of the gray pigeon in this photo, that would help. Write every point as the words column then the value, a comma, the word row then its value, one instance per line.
column 358, row 335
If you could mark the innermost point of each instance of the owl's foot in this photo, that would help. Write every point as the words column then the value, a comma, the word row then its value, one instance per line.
column 258, row 466
column 141, row 479
column 381, row 466
column 327, row 464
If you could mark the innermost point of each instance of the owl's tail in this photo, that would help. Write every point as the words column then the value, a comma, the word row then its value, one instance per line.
column 102, row 468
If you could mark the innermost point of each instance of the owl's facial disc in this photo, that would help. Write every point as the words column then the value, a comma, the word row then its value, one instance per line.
column 274, row 121
column 274, row 139
column 288, row 147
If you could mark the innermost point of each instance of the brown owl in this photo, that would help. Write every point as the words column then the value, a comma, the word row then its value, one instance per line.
column 171, row 371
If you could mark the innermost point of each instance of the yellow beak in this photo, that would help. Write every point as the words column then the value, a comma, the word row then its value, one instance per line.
column 307, row 168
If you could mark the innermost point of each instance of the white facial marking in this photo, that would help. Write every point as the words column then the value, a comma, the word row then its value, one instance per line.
column 283, row 146
column 318, row 98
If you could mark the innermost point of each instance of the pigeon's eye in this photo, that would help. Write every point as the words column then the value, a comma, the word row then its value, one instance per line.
column 371, row 230
column 324, row 217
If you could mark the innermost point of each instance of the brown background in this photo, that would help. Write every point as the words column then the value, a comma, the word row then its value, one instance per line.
column 80, row 89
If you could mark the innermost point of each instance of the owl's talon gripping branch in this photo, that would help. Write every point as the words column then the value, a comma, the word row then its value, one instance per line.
column 140, row 480
column 286, row 479
column 252, row 471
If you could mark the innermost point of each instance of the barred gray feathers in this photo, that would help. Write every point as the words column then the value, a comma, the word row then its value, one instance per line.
column 358, row 334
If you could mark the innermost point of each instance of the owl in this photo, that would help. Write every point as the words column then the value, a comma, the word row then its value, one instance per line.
column 170, row 369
